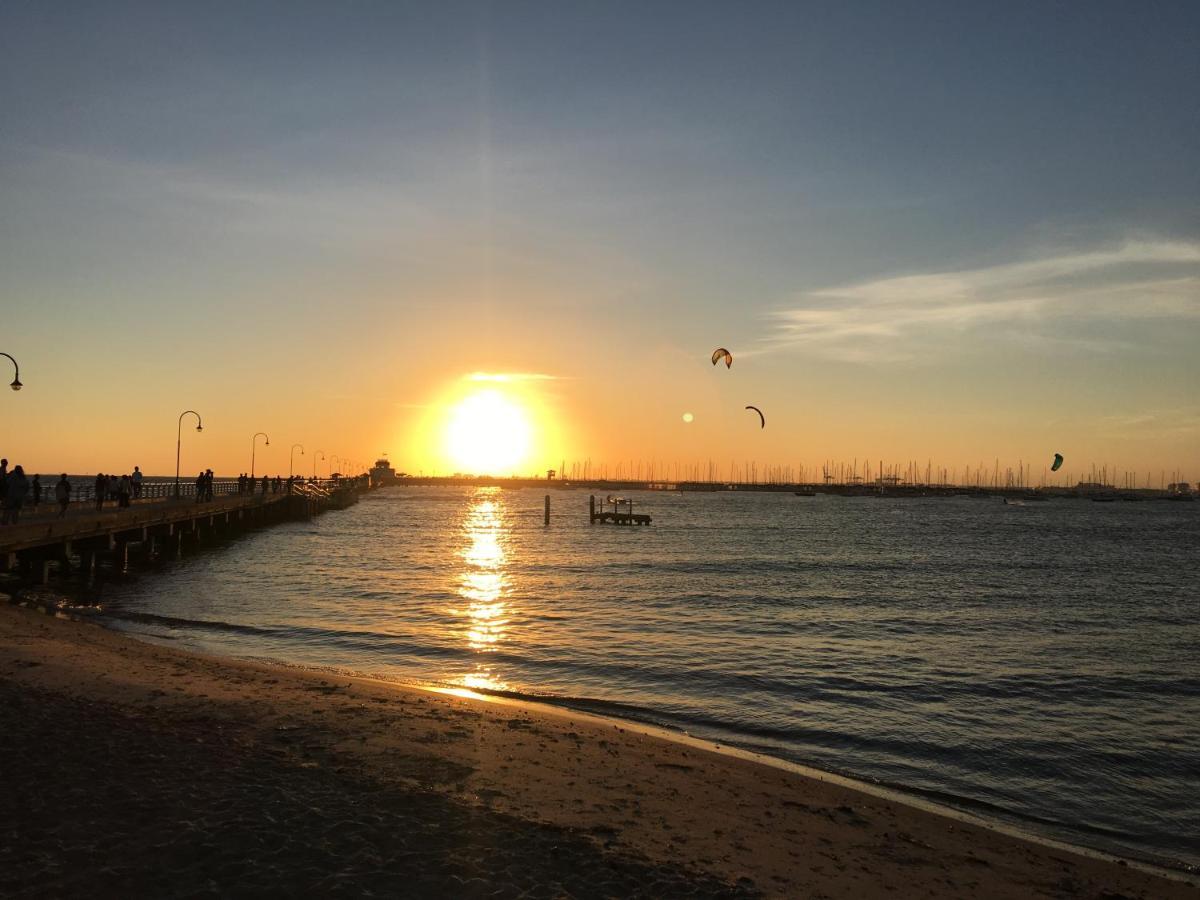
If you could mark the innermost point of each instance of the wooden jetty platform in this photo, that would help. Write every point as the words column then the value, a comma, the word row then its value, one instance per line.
column 615, row 516
column 44, row 545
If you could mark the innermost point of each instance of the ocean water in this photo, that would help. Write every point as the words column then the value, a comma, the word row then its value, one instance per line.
column 1039, row 663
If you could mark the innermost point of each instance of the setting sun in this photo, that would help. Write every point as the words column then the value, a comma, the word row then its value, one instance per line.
column 488, row 433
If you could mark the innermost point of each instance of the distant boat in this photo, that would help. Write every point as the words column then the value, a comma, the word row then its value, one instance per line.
column 804, row 493
column 1104, row 499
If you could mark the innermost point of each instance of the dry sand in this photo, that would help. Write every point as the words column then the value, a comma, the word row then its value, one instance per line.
column 133, row 769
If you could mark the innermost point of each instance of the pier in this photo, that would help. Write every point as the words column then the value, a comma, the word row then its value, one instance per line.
column 43, row 545
column 615, row 516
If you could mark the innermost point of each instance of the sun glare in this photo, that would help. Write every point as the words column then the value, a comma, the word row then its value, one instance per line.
column 488, row 434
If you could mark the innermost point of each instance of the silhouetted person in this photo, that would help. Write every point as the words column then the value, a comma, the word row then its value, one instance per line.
column 101, row 489
column 3, row 488
column 208, row 484
column 136, row 478
column 200, row 487
column 62, row 493
column 124, row 490
column 35, row 492
column 16, row 485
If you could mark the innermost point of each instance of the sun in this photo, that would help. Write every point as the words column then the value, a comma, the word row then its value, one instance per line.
column 488, row 434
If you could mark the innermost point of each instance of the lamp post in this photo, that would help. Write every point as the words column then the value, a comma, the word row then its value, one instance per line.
column 254, row 440
column 292, row 456
column 320, row 453
column 341, row 463
column 16, row 382
column 179, row 440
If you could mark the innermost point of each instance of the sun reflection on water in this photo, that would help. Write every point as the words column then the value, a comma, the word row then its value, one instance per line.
column 484, row 586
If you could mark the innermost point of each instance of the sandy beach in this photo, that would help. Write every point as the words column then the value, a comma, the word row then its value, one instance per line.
column 137, row 769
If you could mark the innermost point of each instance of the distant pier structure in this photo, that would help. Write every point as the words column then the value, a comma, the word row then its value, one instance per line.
column 615, row 516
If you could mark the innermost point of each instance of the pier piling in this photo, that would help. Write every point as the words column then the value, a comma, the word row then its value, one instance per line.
column 546, row 518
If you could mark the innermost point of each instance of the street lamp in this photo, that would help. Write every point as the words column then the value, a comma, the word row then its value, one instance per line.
column 253, row 440
column 292, row 456
column 341, row 463
column 16, row 382
column 178, row 440
column 320, row 453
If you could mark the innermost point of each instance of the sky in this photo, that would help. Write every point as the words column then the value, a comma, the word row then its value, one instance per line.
column 929, row 231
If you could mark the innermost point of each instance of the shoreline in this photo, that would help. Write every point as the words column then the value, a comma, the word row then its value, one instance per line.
column 663, row 808
column 1011, row 824
column 896, row 794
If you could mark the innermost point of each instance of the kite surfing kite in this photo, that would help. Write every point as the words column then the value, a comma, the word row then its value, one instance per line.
column 761, row 418
column 1057, row 462
column 722, row 354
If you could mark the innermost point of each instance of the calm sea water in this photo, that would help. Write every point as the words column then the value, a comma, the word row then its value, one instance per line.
column 1038, row 663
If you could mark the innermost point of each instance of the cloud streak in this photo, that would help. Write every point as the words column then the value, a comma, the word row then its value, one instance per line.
column 894, row 318
column 509, row 377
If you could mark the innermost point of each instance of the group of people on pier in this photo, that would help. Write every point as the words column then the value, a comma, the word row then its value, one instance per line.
column 122, row 488
column 246, row 484
column 204, row 486
column 19, row 492
column 16, row 489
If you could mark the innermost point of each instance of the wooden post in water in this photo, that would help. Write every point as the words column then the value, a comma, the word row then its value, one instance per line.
column 592, row 509
column 546, row 520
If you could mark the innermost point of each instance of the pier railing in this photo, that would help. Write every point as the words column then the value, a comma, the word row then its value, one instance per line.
column 83, row 493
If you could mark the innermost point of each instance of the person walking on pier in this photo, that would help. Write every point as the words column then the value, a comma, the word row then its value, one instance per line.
column 16, row 485
column 62, row 493
column 200, row 487
column 101, row 490
column 36, row 492
column 208, row 484
column 136, row 478
column 124, row 489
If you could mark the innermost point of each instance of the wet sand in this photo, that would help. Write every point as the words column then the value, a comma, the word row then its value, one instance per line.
column 140, row 770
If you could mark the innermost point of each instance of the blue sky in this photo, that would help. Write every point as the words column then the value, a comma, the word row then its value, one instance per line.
column 951, row 197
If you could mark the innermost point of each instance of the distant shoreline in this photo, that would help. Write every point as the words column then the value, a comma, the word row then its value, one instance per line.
column 605, row 488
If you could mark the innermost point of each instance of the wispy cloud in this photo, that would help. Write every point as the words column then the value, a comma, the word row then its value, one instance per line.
column 1172, row 422
column 509, row 377
column 891, row 318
